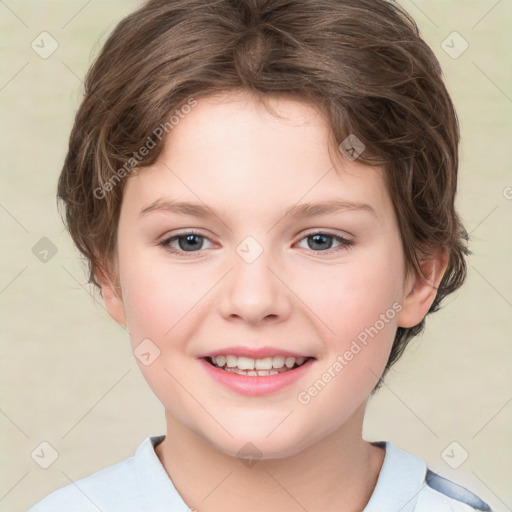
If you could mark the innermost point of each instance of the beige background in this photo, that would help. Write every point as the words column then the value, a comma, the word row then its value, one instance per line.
column 68, row 376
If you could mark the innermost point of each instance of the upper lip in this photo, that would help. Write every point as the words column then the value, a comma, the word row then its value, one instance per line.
column 253, row 352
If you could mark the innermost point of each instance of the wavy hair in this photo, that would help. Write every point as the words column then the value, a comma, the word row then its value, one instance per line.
column 362, row 63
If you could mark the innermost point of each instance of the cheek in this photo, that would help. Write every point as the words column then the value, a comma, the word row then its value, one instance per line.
column 354, row 296
column 155, row 297
column 358, row 304
column 163, row 302
column 358, row 309
column 160, row 301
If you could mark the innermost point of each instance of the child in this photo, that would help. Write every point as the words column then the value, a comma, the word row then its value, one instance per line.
column 264, row 191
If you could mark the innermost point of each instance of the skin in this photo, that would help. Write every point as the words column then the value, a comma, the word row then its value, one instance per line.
column 231, row 154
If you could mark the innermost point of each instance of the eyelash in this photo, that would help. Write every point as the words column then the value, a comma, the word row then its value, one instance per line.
column 345, row 243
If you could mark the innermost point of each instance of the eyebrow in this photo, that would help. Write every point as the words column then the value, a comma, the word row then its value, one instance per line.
column 296, row 211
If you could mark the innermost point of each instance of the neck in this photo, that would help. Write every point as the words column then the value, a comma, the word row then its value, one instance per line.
column 338, row 473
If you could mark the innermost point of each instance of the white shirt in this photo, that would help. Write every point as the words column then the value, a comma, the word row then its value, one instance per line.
column 141, row 484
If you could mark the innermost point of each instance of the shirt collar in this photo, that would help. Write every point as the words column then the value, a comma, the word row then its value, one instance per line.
column 156, row 485
column 401, row 479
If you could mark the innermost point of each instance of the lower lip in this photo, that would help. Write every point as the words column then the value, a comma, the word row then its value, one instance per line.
column 255, row 385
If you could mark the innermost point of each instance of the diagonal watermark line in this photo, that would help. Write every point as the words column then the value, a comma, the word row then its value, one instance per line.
column 13, row 217
column 508, row 508
column 424, row 13
column 415, row 497
column 72, row 72
column 14, row 76
column 495, row 289
column 198, row 402
column 170, row 170
column 83, row 287
column 93, row 94
column 15, row 424
column 300, row 300
column 76, row 14
column 14, row 485
column 90, row 294
column 484, row 219
column 13, row 13
column 280, row 423
column 303, row 196
column 491, row 419
column 286, row 491
column 88, row 497
column 197, row 302
column 485, row 15
column 383, row 383
column 13, row 279
column 111, row 388
column 216, row 487
column 492, row 81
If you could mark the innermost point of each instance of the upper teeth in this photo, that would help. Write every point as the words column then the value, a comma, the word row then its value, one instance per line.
column 247, row 363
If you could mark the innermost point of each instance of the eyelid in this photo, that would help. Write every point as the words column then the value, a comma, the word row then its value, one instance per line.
column 318, row 231
column 174, row 236
column 346, row 243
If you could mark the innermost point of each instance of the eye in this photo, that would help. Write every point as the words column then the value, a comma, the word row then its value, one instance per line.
column 192, row 242
column 189, row 242
column 322, row 242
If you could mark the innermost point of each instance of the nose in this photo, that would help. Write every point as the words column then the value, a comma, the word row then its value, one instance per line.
column 255, row 292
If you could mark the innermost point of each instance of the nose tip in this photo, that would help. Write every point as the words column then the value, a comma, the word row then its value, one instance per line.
column 252, row 292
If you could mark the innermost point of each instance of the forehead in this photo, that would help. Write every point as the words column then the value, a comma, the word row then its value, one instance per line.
column 239, row 125
column 232, row 151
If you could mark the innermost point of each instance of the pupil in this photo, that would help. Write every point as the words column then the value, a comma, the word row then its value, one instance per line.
column 189, row 240
column 320, row 239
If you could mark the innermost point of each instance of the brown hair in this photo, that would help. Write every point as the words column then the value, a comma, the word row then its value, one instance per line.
column 361, row 62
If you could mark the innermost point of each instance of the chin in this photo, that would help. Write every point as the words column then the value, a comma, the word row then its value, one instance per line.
column 262, row 446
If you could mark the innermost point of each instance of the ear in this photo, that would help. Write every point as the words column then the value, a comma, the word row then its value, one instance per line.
column 111, row 293
column 421, row 290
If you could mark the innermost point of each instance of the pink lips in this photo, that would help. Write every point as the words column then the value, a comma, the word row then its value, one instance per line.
column 256, row 385
column 253, row 353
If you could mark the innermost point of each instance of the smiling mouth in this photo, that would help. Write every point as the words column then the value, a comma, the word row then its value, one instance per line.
column 247, row 366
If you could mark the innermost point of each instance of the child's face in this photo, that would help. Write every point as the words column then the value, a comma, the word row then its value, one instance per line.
column 311, row 296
